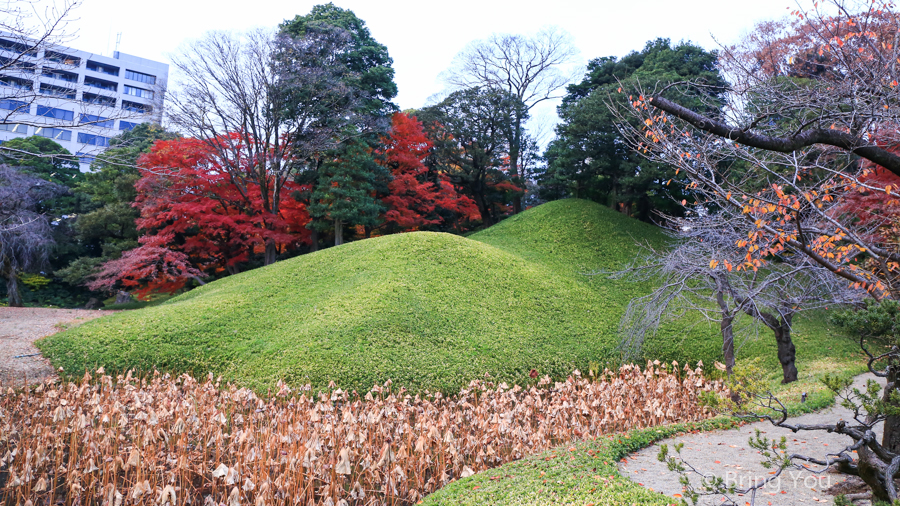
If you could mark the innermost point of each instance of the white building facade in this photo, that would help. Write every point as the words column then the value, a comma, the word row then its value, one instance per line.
column 79, row 99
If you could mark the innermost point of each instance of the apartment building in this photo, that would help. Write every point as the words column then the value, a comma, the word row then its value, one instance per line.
column 79, row 99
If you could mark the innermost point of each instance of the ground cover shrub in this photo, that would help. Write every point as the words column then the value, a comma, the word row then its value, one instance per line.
column 577, row 473
column 161, row 439
column 585, row 472
column 429, row 311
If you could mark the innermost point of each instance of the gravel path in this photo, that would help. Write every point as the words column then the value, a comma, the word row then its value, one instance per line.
column 726, row 454
column 20, row 327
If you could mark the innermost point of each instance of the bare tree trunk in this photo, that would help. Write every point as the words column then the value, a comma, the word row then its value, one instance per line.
column 271, row 253
column 872, row 471
column 727, row 325
column 787, row 354
column 728, row 342
column 891, row 435
column 314, row 238
column 781, row 326
column 486, row 218
column 514, row 167
column 338, row 232
column 13, row 297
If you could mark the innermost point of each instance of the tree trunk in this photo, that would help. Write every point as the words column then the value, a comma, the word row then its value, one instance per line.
column 871, row 470
column 727, row 324
column 728, row 343
column 515, row 146
column 338, row 232
column 13, row 297
column 314, row 238
column 486, row 218
column 787, row 354
column 271, row 253
column 891, row 436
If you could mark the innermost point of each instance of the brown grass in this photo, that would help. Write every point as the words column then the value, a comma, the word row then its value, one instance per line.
column 159, row 440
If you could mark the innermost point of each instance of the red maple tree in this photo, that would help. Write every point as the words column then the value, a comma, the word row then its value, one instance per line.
column 198, row 219
column 417, row 196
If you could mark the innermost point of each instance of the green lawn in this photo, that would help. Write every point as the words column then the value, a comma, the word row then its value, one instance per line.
column 427, row 310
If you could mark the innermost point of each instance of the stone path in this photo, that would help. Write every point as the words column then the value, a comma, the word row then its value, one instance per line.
column 727, row 454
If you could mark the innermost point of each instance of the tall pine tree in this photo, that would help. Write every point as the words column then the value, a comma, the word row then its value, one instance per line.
column 344, row 193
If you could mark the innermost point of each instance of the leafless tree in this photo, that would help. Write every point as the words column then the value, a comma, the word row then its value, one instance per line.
column 813, row 117
column 266, row 104
column 529, row 67
column 25, row 233
column 698, row 275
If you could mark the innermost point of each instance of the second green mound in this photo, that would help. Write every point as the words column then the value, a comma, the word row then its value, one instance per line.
column 429, row 311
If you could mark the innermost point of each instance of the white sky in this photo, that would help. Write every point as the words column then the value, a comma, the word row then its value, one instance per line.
column 422, row 37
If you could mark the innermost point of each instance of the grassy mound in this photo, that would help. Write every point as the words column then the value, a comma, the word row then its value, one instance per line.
column 429, row 311
column 426, row 310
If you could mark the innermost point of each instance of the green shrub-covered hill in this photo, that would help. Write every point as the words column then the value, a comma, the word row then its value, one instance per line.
column 426, row 310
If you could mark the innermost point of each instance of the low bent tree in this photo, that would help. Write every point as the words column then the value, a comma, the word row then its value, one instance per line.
column 25, row 232
column 698, row 275
column 813, row 110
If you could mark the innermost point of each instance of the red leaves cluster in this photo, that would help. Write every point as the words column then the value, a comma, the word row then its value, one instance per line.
column 152, row 267
column 199, row 219
column 418, row 197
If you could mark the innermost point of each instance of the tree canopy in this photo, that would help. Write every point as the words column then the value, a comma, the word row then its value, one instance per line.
column 589, row 157
column 368, row 61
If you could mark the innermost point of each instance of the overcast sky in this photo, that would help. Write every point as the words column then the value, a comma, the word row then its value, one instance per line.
column 422, row 37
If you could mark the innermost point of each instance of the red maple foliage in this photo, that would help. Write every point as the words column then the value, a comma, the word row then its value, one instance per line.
column 194, row 213
column 872, row 199
column 152, row 267
column 418, row 197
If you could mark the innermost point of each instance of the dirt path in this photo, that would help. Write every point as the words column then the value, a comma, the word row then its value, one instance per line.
column 20, row 327
column 726, row 454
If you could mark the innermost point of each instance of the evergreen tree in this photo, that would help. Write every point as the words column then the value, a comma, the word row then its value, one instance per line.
column 337, row 179
column 590, row 158
column 344, row 194
column 108, row 229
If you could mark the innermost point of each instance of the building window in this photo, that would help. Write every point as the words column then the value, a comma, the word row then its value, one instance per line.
column 54, row 133
column 126, row 126
column 96, row 140
column 15, row 82
column 57, row 91
column 139, row 77
column 138, row 92
column 63, row 58
column 103, row 69
column 18, row 47
column 136, row 107
column 53, row 112
column 15, row 105
column 93, row 98
column 85, row 158
column 100, row 121
column 61, row 75
column 100, row 83
column 9, row 127
column 16, row 65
